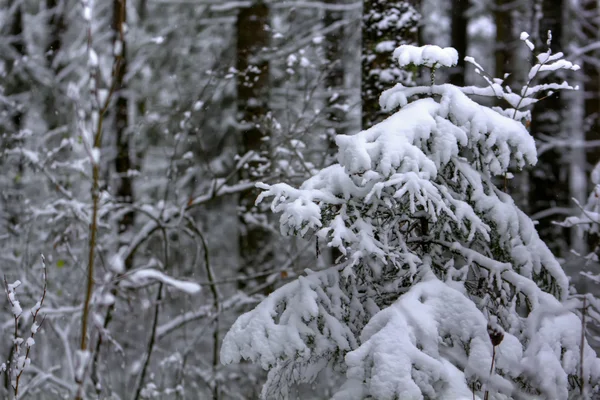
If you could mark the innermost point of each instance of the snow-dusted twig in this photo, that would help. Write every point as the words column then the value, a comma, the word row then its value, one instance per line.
column 151, row 342
column 216, row 304
column 546, row 61
column 19, row 362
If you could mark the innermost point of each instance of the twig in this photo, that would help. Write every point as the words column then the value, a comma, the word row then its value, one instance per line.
column 152, row 339
column 215, row 293
column 151, row 343
column 18, row 364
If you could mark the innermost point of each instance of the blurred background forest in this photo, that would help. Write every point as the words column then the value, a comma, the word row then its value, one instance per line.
column 148, row 123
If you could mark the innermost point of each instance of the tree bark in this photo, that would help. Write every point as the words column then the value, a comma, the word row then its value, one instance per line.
column 549, row 185
column 253, row 91
column 379, row 71
column 124, row 186
column 591, row 74
column 572, row 124
column 56, row 24
column 459, row 39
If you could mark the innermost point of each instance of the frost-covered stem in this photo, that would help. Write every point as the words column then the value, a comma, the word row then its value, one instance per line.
column 528, row 84
column 19, row 363
column 94, row 373
column 91, row 255
column 581, row 348
column 14, row 304
column 217, row 307
column 151, row 343
column 487, row 391
column 152, row 339
column 432, row 75
column 34, row 325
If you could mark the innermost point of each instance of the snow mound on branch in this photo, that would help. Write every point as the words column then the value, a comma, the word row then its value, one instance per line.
column 417, row 348
column 553, row 351
column 309, row 310
column 493, row 137
column 429, row 56
column 145, row 276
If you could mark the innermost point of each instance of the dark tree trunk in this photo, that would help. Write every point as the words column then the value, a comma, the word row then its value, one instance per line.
column 17, row 84
column 253, row 91
column 379, row 70
column 459, row 39
column 334, row 78
column 549, row 181
column 124, row 187
column 57, row 26
column 591, row 72
column 503, row 37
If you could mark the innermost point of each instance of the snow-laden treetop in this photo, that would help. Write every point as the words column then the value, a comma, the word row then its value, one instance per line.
column 444, row 288
column 428, row 55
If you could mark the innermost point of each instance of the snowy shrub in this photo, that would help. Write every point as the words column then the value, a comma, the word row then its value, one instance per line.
column 444, row 289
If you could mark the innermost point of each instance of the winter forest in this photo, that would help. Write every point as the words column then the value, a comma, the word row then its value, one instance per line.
column 300, row 199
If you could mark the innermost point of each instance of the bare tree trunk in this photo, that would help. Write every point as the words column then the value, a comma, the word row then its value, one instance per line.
column 550, row 184
column 459, row 39
column 572, row 125
column 13, row 86
column 253, row 91
column 379, row 70
column 590, row 27
column 512, row 63
column 511, row 58
column 18, row 45
column 57, row 26
column 334, row 78
column 253, row 37
column 591, row 71
column 124, row 186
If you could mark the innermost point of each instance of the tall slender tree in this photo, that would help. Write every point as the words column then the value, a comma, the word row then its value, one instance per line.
column 123, row 164
column 335, row 42
column 549, row 186
column 385, row 26
column 253, row 37
column 459, row 38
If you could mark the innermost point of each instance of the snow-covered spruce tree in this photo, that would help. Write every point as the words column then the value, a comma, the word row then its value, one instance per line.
column 444, row 289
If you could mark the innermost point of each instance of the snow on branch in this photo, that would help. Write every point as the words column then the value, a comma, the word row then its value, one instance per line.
column 143, row 277
column 429, row 55
column 22, row 345
column 401, row 355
